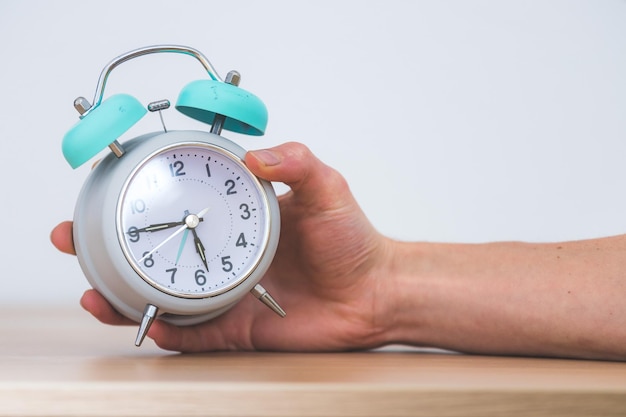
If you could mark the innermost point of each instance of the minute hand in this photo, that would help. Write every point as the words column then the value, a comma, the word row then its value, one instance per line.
column 182, row 227
column 162, row 226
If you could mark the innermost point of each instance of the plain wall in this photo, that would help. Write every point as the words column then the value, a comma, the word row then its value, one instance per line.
column 457, row 121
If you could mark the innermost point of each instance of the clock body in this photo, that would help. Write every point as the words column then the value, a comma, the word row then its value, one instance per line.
column 177, row 222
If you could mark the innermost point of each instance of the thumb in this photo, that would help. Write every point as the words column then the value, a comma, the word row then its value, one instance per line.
column 292, row 163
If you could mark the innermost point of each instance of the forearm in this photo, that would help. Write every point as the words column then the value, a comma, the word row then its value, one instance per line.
column 565, row 299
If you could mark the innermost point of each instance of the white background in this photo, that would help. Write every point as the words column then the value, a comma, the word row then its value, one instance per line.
column 463, row 121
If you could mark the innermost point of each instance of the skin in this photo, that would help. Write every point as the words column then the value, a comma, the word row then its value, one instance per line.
column 347, row 287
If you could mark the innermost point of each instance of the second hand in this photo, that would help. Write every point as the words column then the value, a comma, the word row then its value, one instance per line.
column 182, row 243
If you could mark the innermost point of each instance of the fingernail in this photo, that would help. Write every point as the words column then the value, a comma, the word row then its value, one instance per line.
column 269, row 158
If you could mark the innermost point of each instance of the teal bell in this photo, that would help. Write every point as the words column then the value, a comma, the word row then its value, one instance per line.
column 100, row 127
column 203, row 100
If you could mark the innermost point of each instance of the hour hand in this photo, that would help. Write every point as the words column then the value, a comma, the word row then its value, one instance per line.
column 199, row 248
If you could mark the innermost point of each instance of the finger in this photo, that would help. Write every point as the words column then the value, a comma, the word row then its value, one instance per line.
column 202, row 337
column 230, row 331
column 179, row 339
column 100, row 308
column 312, row 181
column 166, row 336
column 61, row 238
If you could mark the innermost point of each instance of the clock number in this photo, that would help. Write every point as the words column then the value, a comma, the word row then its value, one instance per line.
column 137, row 206
column 133, row 234
column 149, row 261
column 246, row 211
column 172, row 271
column 200, row 277
column 176, row 169
column 151, row 181
column 228, row 265
column 241, row 241
column 208, row 170
column 231, row 187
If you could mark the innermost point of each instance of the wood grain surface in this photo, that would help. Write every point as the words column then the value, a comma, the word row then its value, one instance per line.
column 61, row 362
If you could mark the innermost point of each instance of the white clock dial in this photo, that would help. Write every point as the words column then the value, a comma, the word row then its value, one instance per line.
column 192, row 220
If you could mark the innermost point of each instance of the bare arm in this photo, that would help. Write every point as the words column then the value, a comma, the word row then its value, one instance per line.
column 555, row 299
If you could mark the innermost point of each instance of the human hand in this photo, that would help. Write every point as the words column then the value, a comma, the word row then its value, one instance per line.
column 325, row 272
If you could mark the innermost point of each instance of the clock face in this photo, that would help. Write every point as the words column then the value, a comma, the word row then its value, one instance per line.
column 192, row 220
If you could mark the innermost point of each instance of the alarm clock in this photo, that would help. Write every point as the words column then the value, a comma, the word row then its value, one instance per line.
column 172, row 224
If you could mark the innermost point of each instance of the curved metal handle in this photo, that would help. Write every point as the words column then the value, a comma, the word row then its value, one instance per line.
column 104, row 75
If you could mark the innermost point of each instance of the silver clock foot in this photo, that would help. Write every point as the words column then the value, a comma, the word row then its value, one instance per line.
column 261, row 293
column 149, row 314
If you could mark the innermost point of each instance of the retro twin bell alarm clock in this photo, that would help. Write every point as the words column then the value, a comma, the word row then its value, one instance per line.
column 172, row 224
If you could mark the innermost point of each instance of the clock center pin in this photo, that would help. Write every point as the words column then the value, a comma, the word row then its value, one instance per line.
column 192, row 221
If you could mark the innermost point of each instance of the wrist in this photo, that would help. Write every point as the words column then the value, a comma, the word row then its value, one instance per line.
column 402, row 294
column 425, row 292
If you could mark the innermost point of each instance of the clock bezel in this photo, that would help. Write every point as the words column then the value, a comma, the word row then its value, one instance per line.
column 266, row 224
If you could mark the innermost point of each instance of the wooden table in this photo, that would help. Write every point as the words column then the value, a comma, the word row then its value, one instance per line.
column 64, row 363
